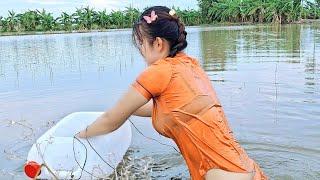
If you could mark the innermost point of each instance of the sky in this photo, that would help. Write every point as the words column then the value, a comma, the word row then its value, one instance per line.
column 69, row 6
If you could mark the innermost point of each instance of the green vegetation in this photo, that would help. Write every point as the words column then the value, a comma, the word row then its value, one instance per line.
column 211, row 11
column 259, row 11
column 84, row 19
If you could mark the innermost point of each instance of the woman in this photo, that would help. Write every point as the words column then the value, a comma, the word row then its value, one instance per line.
column 184, row 105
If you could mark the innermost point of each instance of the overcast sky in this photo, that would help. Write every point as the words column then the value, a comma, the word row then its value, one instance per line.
column 57, row 6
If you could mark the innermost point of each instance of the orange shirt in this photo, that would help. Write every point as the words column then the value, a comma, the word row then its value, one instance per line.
column 186, row 109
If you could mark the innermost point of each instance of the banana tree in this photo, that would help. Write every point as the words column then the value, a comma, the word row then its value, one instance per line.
column 102, row 19
column 84, row 18
column 65, row 20
column 276, row 11
column 131, row 14
column 253, row 10
column 12, row 21
column 79, row 19
column 312, row 10
column 205, row 6
column 29, row 20
column 226, row 10
column 46, row 20
column 88, row 17
column 3, row 24
column 117, row 19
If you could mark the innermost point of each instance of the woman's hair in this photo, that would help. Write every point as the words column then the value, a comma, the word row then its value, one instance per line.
column 164, row 26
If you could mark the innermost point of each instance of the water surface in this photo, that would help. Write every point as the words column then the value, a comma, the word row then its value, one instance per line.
column 267, row 78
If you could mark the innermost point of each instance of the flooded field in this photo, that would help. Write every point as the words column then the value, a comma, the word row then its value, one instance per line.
column 267, row 79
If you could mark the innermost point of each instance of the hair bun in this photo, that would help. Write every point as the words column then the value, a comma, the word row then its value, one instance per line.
column 160, row 21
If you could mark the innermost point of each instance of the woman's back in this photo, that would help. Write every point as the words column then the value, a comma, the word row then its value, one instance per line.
column 187, row 110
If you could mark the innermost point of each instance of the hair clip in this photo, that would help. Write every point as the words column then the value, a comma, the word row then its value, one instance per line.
column 152, row 17
column 172, row 12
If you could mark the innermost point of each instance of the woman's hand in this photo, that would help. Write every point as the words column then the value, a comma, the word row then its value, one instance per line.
column 117, row 115
column 81, row 134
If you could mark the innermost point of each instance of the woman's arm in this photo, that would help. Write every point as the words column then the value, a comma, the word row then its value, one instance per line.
column 112, row 119
column 145, row 110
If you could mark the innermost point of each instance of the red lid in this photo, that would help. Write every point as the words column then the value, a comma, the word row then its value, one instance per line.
column 32, row 169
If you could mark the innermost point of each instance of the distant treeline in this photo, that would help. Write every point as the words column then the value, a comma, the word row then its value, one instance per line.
column 259, row 11
column 210, row 11
column 83, row 19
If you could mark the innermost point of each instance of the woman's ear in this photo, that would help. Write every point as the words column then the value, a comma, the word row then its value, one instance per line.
column 158, row 43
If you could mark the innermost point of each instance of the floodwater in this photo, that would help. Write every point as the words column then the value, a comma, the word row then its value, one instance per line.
column 267, row 79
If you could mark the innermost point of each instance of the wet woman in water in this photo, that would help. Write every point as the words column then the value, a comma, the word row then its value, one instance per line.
column 176, row 92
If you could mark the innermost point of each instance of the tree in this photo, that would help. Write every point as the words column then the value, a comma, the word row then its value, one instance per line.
column 3, row 24
column 65, row 20
column 102, row 19
column 205, row 6
column 46, row 20
column 131, row 14
column 117, row 19
column 84, row 18
column 29, row 20
column 12, row 21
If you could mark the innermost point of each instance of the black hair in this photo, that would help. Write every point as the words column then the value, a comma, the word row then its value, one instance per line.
column 165, row 26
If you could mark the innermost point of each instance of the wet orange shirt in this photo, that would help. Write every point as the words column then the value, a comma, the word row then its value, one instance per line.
column 186, row 109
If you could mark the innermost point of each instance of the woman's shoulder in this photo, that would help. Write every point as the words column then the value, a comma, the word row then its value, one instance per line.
column 161, row 66
column 182, row 56
column 167, row 62
column 155, row 78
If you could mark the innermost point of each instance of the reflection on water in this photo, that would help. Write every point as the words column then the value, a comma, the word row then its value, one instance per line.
column 267, row 78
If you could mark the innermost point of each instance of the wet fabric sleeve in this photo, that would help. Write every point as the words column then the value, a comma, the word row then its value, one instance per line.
column 153, row 80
